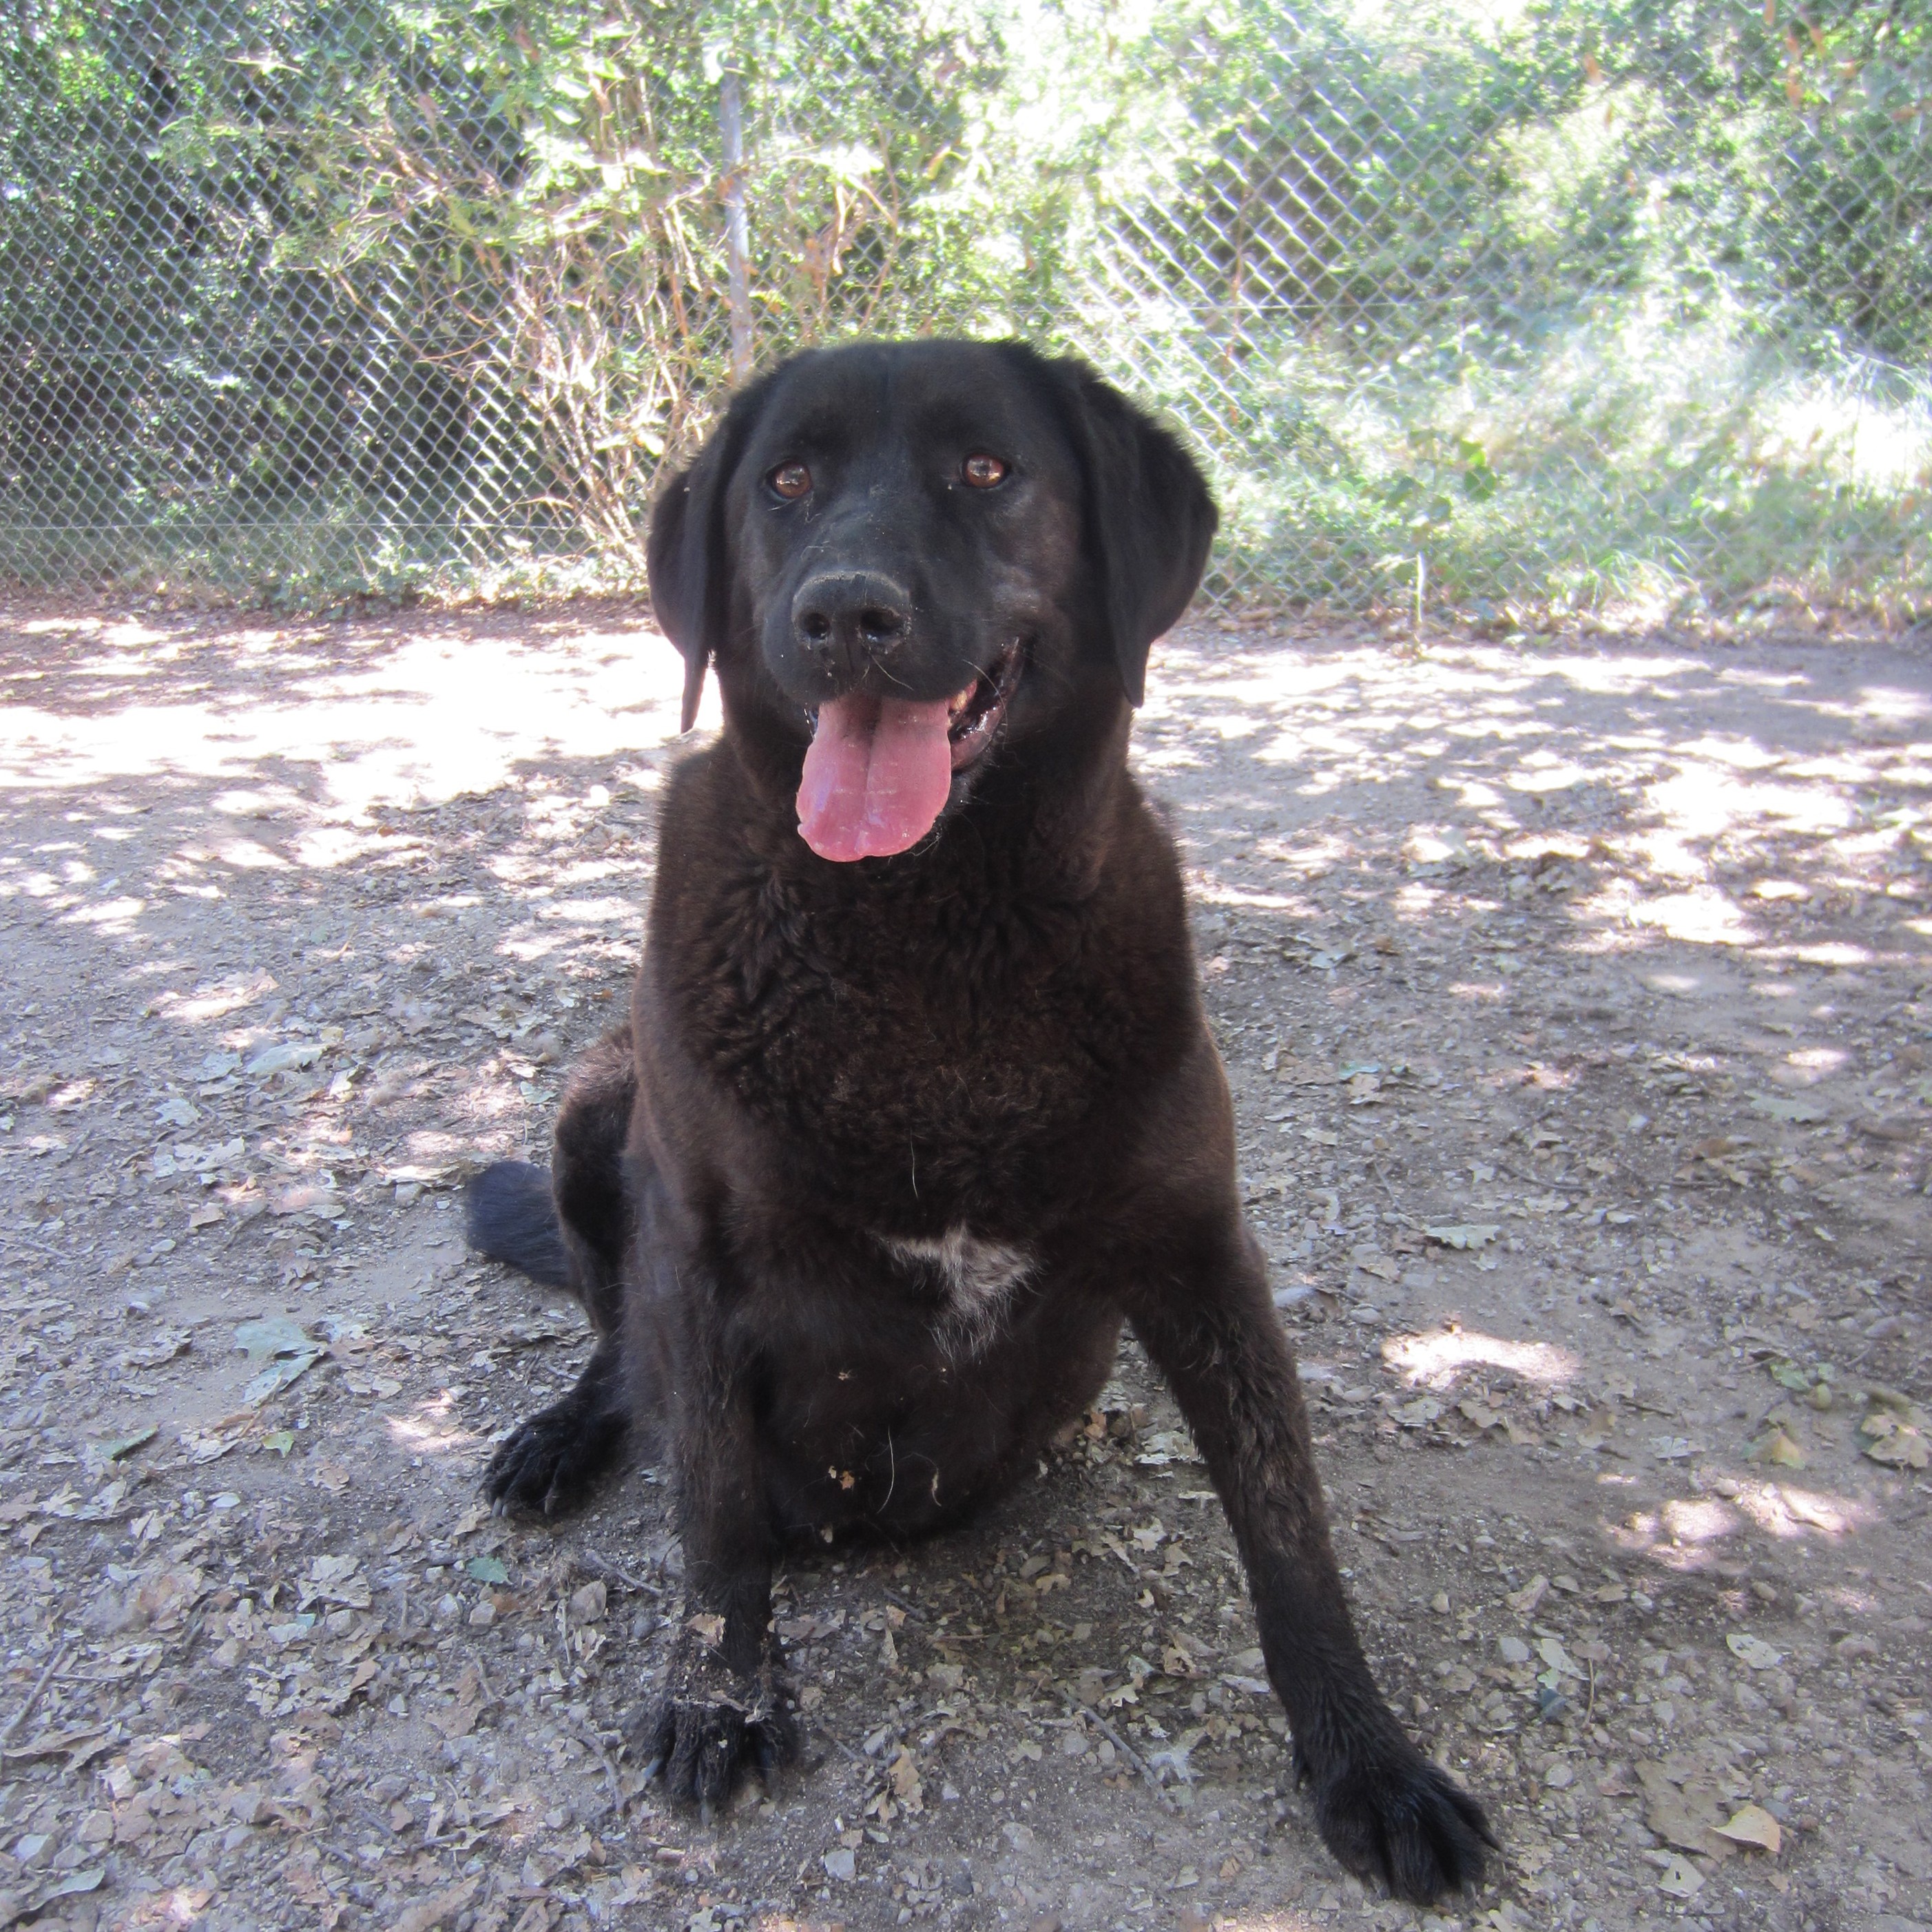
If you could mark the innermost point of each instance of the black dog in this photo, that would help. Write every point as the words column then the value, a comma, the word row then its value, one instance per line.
column 917, row 1099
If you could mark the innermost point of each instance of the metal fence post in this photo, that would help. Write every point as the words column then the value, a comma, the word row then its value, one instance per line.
column 737, row 229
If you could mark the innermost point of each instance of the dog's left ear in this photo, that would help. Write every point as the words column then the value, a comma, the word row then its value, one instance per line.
column 686, row 555
column 1150, row 518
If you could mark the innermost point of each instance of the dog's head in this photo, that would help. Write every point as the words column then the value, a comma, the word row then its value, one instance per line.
column 902, row 555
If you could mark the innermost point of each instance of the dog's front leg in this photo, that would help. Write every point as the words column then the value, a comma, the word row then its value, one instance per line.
column 719, row 1708
column 1384, row 1811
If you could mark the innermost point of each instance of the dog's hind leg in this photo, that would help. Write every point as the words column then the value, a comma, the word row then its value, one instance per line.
column 587, row 1178
column 570, row 1228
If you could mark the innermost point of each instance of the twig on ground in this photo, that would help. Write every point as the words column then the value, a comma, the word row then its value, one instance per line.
column 617, row 1573
column 1127, row 1751
column 857, row 1757
column 1560, row 1181
column 586, row 1736
column 34, row 1696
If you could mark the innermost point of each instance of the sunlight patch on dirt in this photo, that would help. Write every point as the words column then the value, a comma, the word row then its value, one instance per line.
column 436, row 716
column 428, row 1432
column 1501, row 734
column 1705, row 918
column 1784, row 1512
column 1700, row 1519
column 1434, row 1360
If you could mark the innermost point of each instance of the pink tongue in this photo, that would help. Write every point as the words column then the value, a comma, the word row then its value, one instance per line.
column 875, row 777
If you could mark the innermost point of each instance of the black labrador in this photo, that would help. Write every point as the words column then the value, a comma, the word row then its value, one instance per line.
column 917, row 1099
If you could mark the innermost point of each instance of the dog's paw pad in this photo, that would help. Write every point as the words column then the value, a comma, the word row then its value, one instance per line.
column 1405, row 1821
column 710, row 1723
column 541, row 1464
column 700, row 1748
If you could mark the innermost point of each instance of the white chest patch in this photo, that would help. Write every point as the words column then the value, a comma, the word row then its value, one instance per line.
column 979, row 1276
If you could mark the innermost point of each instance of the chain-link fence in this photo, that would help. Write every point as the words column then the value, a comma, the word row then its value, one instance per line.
column 1502, row 302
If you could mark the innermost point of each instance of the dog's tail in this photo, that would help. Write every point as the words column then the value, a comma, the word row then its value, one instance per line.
column 510, row 1215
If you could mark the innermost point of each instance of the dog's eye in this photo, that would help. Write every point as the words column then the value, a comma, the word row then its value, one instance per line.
column 791, row 480
column 981, row 471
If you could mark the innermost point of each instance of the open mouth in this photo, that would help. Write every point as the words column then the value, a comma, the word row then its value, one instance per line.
column 973, row 715
column 878, row 771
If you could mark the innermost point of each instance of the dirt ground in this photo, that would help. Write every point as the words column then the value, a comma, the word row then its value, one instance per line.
column 1575, row 996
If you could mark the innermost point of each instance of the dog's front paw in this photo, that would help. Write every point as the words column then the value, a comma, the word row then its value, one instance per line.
column 1390, row 1814
column 710, row 1721
column 549, row 1460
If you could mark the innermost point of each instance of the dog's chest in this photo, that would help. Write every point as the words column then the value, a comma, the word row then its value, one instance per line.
column 977, row 1279
column 902, row 1075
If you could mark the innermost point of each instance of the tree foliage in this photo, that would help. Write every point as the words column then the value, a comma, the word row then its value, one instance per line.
column 368, row 290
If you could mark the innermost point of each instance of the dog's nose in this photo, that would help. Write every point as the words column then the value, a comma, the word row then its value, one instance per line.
column 848, row 620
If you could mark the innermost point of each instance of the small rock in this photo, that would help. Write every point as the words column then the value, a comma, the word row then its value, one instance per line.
column 1681, row 1878
column 483, row 1615
column 251, row 1807
column 841, row 1864
column 1754, row 1650
column 1513, row 1650
column 308, row 1198
column 587, row 1604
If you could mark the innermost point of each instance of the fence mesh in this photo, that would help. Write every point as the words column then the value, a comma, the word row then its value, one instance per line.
column 1513, row 303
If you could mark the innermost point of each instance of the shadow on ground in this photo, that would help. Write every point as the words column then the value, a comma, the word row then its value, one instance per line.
column 1573, row 998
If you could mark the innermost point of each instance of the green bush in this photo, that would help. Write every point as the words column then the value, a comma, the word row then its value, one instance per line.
column 1616, row 299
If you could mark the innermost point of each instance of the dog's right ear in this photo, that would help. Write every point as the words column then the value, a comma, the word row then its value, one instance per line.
column 1150, row 518
column 685, row 559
